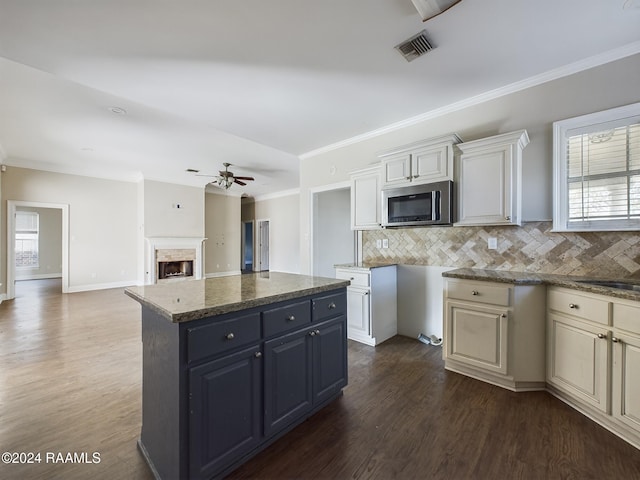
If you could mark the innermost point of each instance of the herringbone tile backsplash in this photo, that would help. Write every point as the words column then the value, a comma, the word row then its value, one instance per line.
column 532, row 248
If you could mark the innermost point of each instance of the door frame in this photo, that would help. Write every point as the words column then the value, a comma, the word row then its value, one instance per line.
column 12, row 205
column 257, row 238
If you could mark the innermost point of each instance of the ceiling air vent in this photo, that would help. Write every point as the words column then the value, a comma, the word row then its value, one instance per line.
column 415, row 47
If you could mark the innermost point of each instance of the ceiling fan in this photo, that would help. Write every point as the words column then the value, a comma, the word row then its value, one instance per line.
column 226, row 178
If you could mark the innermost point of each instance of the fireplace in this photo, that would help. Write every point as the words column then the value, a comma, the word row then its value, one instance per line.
column 175, row 269
column 173, row 259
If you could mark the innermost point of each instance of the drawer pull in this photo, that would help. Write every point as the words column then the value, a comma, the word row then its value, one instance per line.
column 475, row 292
column 230, row 336
column 257, row 354
column 616, row 340
column 332, row 306
column 573, row 305
column 603, row 335
column 291, row 318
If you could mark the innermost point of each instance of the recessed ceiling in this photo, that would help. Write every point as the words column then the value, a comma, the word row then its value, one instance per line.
column 256, row 83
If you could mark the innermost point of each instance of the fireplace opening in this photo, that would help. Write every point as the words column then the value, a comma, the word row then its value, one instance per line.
column 175, row 269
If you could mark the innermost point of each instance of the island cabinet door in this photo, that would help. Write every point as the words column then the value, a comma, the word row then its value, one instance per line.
column 329, row 359
column 225, row 411
column 287, row 382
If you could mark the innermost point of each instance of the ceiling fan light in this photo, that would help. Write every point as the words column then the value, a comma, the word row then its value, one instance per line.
column 431, row 8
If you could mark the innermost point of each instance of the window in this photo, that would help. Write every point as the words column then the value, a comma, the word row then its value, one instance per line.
column 27, row 226
column 597, row 171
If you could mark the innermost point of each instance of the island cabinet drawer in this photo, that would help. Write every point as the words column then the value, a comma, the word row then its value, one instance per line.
column 580, row 305
column 357, row 279
column 626, row 316
column 329, row 306
column 285, row 318
column 218, row 337
column 479, row 292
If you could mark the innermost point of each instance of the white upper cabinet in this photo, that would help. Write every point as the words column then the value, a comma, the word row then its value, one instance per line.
column 490, row 180
column 423, row 162
column 365, row 199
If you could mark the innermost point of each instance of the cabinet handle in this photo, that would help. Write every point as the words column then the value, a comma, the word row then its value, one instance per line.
column 230, row 336
column 332, row 306
column 604, row 335
column 409, row 177
column 416, row 176
column 352, row 278
column 474, row 292
column 257, row 354
column 573, row 305
column 616, row 340
column 291, row 318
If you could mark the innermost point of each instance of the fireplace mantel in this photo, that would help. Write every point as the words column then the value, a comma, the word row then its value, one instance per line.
column 165, row 243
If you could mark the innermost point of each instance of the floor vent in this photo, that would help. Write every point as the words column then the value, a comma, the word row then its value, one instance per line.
column 415, row 47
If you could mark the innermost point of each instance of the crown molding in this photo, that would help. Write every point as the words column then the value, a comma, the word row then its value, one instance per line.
column 564, row 71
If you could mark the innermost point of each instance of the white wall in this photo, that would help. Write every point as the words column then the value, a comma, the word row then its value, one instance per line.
column 49, row 245
column 173, row 210
column 102, row 223
column 283, row 214
column 223, row 232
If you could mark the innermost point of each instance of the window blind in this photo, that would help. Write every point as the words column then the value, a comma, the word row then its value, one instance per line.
column 603, row 173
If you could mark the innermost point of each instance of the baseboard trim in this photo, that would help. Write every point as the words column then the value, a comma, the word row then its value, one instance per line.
column 40, row 276
column 222, row 274
column 100, row 286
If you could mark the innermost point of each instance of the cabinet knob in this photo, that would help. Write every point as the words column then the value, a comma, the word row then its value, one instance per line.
column 616, row 340
column 573, row 305
column 507, row 218
column 332, row 306
column 416, row 176
column 291, row 318
column 312, row 333
column 257, row 354
column 504, row 315
column 603, row 335
column 230, row 336
column 474, row 292
column 409, row 177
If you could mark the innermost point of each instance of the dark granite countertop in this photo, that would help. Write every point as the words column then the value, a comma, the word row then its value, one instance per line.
column 364, row 265
column 529, row 278
column 195, row 299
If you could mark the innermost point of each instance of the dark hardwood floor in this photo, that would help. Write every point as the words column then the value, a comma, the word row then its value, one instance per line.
column 70, row 369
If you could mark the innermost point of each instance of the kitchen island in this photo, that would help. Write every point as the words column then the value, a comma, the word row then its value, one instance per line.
column 230, row 364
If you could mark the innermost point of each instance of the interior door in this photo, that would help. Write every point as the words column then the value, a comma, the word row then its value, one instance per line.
column 264, row 245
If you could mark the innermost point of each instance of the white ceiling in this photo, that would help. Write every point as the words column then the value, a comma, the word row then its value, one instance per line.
column 257, row 83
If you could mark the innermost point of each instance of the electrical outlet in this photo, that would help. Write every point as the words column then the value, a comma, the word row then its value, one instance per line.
column 492, row 243
column 385, row 243
column 378, row 243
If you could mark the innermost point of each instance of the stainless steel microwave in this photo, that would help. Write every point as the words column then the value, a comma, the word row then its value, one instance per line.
column 418, row 205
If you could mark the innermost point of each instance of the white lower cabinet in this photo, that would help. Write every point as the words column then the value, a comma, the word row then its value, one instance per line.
column 593, row 357
column 495, row 332
column 371, row 303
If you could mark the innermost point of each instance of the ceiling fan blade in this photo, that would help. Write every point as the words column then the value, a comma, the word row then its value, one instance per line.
column 245, row 178
column 235, row 180
column 203, row 175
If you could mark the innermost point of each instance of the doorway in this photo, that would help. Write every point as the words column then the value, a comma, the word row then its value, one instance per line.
column 263, row 245
column 333, row 240
column 12, row 207
column 247, row 247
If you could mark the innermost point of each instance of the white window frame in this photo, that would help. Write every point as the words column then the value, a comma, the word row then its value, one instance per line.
column 560, row 174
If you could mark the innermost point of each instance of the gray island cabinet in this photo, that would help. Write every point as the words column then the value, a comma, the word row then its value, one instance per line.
column 230, row 364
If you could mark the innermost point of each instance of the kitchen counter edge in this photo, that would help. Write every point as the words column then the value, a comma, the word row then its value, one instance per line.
column 530, row 278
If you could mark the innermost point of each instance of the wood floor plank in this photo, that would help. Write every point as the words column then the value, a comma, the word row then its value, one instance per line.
column 70, row 381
